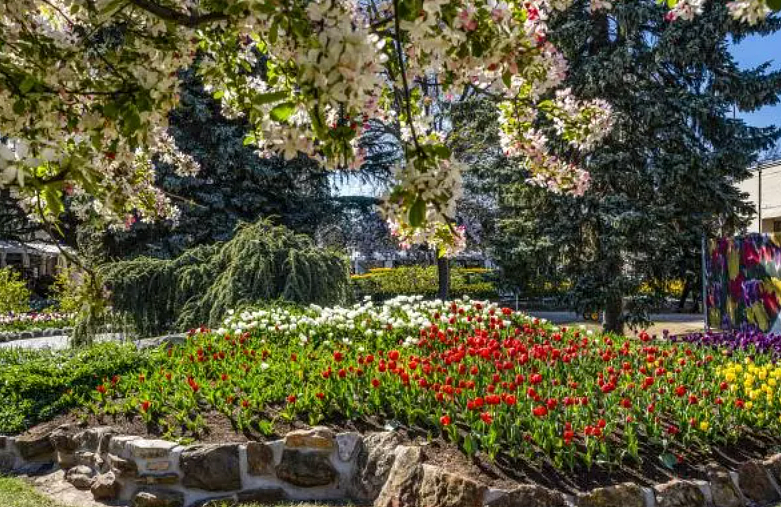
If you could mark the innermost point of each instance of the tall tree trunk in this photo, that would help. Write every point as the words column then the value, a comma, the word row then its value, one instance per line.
column 443, row 273
column 687, row 288
column 697, row 299
column 613, row 320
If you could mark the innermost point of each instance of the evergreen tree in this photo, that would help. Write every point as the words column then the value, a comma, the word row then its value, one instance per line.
column 665, row 177
column 14, row 223
column 234, row 185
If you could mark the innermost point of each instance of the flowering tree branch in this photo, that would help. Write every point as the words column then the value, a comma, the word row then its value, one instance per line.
column 180, row 18
column 403, row 72
column 85, row 96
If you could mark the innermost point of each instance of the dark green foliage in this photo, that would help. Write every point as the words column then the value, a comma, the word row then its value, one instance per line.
column 35, row 386
column 13, row 220
column 235, row 185
column 262, row 262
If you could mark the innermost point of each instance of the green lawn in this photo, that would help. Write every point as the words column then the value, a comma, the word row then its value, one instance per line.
column 17, row 493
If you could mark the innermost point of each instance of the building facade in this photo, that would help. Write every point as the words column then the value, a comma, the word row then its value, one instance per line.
column 764, row 191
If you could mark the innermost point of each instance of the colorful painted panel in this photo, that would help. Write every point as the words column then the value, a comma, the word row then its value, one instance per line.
column 744, row 282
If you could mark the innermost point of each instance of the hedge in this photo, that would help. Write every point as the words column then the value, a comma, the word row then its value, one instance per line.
column 384, row 283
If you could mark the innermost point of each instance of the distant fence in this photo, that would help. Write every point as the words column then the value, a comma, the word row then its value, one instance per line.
column 743, row 282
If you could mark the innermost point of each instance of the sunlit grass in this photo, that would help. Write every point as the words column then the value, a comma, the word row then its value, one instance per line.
column 18, row 493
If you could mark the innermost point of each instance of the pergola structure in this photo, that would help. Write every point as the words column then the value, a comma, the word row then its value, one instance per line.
column 34, row 259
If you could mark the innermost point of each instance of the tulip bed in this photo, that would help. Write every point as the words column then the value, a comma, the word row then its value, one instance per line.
column 485, row 378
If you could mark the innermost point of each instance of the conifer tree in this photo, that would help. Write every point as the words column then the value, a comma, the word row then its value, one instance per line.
column 666, row 174
column 234, row 185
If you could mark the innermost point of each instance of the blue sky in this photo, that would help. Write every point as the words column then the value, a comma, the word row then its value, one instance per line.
column 754, row 51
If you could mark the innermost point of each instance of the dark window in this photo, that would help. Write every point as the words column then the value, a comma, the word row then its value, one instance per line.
column 777, row 226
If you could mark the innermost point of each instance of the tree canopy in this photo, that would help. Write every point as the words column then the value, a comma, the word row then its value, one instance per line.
column 86, row 87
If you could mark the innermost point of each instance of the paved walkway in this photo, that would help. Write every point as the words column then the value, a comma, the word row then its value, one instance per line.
column 47, row 342
column 61, row 342
column 52, row 342
column 675, row 323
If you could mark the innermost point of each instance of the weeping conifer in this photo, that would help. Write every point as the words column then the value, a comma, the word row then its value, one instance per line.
column 262, row 262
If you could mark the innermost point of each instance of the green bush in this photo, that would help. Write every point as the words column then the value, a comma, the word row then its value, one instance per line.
column 37, row 385
column 14, row 295
column 384, row 283
column 66, row 290
column 262, row 262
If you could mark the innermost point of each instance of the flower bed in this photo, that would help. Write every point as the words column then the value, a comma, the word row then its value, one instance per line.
column 485, row 378
column 20, row 322
column 749, row 340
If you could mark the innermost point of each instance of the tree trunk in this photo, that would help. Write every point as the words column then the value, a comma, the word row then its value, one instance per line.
column 696, row 300
column 613, row 321
column 687, row 288
column 443, row 273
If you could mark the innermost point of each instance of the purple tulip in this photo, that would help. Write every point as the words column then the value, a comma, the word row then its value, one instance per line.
column 749, row 339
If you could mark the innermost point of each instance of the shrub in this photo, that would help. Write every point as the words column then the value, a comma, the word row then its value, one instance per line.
column 66, row 290
column 14, row 295
column 262, row 262
column 672, row 288
column 37, row 385
column 384, row 283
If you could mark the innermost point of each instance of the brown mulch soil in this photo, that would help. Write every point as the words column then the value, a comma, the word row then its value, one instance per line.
column 505, row 472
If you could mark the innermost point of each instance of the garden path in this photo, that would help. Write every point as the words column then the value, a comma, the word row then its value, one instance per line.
column 52, row 342
column 675, row 323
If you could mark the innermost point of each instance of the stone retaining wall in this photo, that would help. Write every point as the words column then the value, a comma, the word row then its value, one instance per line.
column 318, row 464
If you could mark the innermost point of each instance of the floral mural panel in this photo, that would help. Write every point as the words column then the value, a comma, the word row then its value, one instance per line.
column 744, row 282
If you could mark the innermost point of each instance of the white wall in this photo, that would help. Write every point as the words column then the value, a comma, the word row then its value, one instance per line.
column 771, row 195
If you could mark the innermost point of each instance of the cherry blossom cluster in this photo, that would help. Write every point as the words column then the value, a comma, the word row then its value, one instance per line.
column 421, row 207
column 582, row 124
column 749, row 11
column 85, row 114
column 327, row 79
column 746, row 11
column 686, row 10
